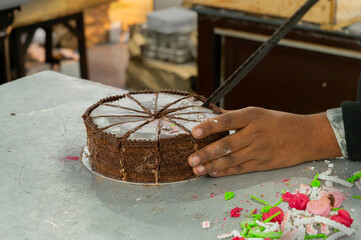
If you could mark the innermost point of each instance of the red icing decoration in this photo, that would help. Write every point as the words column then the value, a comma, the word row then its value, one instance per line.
column 235, row 212
column 273, row 211
column 254, row 211
column 343, row 217
column 75, row 158
column 287, row 196
column 238, row 238
column 298, row 200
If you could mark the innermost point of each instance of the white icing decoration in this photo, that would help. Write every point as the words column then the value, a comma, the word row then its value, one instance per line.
column 120, row 130
column 193, row 110
column 164, row 99
column 188, row 125
column 127, row 102
column 150, row 131
column 169, row 129
column 146, row 99
column 189, row 101
column 108, row 110
column 147, row 132
column 102, row 122
column 326, row 176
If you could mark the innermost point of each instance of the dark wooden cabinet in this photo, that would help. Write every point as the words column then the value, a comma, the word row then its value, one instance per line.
column 310, row 71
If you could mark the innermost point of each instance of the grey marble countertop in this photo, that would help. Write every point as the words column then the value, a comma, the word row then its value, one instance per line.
column 46, row 195
column 6, row 4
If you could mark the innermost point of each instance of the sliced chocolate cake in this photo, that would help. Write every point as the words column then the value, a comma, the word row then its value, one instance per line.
column 145, row 136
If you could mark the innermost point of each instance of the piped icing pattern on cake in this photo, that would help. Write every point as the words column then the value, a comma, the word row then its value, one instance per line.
column 150, row 116
column 146, row 136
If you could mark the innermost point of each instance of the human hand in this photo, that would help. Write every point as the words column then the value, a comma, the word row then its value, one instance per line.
column 264, row 140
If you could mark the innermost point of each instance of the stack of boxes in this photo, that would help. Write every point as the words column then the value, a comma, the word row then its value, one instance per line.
column 168, row 33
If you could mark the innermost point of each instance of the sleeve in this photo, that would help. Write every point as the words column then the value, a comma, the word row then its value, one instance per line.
column 351, row 112
column 335, row 117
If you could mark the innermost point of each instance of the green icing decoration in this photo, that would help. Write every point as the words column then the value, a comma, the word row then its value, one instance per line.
column 272, row 235
column 266, row 209
column 316, row 236
column 354, row 177
column 315, row 182
column 244, row 232
column 336, row 209
column 228, row 195
column 259, row 200
column 271, row 217
column 278, row 203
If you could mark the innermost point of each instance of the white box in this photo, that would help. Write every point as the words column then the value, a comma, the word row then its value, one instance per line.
column 171, row 20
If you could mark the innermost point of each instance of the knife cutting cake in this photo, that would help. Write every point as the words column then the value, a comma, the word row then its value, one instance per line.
column 145, row 136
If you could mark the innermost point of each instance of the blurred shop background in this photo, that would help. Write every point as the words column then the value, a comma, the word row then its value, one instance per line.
column 191, row 45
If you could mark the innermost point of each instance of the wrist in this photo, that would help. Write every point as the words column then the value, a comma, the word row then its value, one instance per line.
column 323, row 142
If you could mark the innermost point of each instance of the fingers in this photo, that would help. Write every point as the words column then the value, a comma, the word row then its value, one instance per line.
column 224, row 110
column 228, row 121
column 222, row 147
column 225, row 162
column 246, row 167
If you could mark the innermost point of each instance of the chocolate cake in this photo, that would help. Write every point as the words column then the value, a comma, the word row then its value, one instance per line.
column 145, row 136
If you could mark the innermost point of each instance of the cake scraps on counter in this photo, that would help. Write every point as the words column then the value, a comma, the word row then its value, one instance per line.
column 206, row 224
column 259, row 200
column 343, row 217
column 298, row 201
column 74, row 158
column 228, row 195
column 326, row 176
column 354, row 177
column 235, row 212
column 272, row 212
column 312, row 212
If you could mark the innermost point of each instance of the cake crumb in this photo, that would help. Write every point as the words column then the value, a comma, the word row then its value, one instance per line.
column 224, row 236
column 206, row 224
column 12, row 114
